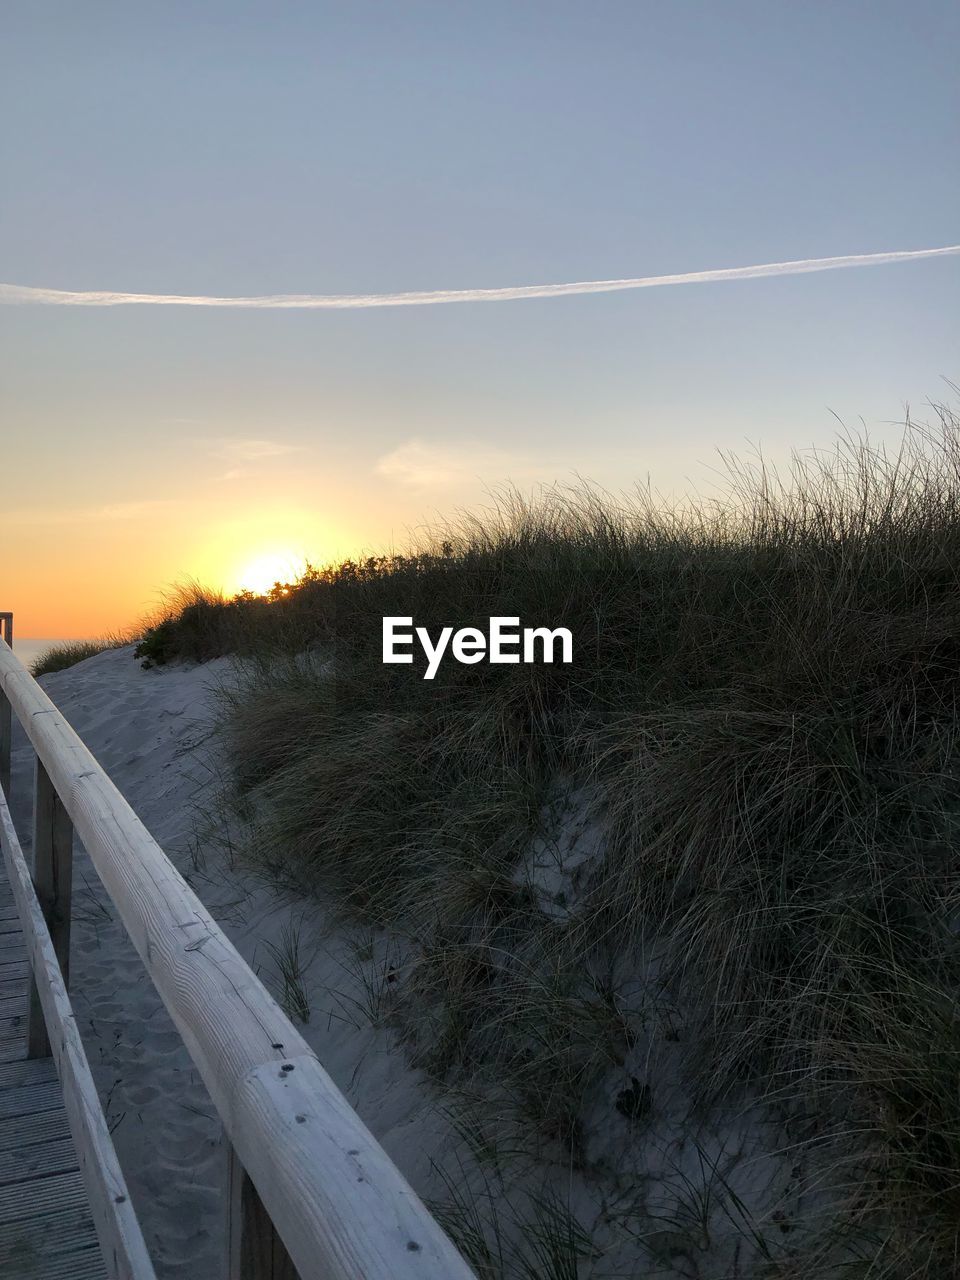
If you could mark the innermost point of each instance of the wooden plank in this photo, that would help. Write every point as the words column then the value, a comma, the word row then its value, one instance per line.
column 42, row 1239
column 29, row 1099
column 52, row 882
column 12, row 1027
column 85, row 1265
column 58, row 1192
column 27, row 1072
column 25, row 1131
column 339, row 1203
column 33, row 1162
column 81, row 1265
column 121, row 1239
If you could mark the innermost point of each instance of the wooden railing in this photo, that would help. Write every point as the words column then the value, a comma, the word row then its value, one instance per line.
column 311, row 1193
column 6, row 634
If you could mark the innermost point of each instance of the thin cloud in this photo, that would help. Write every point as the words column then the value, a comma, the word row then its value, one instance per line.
column 417, row 464
column 21, row 294
column 424, row 466
column 236, row 449
column 241, row 453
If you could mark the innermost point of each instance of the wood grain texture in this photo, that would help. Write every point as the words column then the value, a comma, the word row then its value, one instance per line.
column 254, row 1249
column 124, row 1253
column 52, row 883
column 340, row 1205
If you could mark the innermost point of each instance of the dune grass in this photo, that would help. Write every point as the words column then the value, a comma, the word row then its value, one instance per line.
column 709, row 868
column 68, row 653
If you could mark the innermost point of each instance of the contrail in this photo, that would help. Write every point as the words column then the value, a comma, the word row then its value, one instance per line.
column 18, row 293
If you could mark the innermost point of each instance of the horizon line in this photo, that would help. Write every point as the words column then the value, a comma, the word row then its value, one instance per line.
column 26, row 294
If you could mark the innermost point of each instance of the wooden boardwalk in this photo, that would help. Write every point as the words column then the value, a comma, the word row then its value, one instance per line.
column 46, row 1229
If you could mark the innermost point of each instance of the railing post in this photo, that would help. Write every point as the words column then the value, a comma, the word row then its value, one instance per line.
column 6, row 722
column 6, row 731
column 254, row 1249
column 52, row 880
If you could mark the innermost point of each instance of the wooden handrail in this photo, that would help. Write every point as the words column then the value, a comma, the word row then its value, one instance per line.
column 341, row 1208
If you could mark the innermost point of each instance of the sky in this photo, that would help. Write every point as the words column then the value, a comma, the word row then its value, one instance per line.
column 235, row 149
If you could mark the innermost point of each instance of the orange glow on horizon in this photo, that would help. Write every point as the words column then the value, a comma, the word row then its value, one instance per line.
column 110, row 574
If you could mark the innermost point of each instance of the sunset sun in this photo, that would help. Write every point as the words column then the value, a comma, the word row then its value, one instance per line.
column 261, row 572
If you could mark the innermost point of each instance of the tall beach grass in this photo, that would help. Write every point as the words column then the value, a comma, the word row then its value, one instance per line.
column 67, row 653
column 709, row 869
